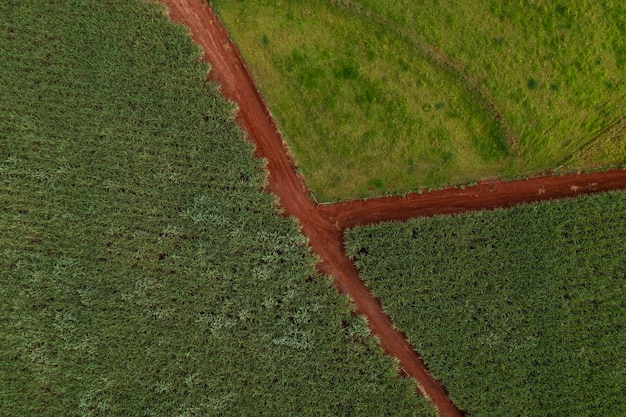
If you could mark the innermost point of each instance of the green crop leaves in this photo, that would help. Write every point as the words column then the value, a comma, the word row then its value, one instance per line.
column 518, row 311
column 142, row 272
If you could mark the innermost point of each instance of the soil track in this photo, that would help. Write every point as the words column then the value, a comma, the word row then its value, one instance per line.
column 324, row 225
column 485, row 195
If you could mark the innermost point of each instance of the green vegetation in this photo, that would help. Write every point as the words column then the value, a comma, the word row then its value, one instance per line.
column 142, row 272
column 517, row 311
column 377, row 97
column 608, row 146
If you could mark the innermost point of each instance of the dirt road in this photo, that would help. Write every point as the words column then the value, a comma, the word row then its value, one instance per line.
column 324, row 225
column 485, row 195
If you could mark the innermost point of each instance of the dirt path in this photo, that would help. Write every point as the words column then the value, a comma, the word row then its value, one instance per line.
column 324, row 225
column 229, row 71
column 485, row 195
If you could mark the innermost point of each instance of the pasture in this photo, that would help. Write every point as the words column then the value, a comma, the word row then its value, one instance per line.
column 389, row 97
column 517, row 311
column 142, row 270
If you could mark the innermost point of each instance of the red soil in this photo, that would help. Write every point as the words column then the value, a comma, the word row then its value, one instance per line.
column 323, row 225
column 485, row 195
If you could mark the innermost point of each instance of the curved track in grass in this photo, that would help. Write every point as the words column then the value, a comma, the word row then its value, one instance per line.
column 440, row 60
column 324, row 225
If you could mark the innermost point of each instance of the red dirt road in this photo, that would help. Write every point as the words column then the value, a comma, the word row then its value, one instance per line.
column 324, row 225
column 485, row 195
column 325, row 239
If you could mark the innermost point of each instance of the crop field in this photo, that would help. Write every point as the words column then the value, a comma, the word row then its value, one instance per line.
column 517, row 311
column 376, row 97
column 142, row 272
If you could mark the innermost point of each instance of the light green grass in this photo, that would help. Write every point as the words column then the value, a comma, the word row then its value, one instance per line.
column 517, row 311
column 608, row 146
column 361, row 109
column 142, row 272
column 376, row 97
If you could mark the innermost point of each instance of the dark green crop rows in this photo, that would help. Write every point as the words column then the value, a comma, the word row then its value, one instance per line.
column 142, row 272
column 518, row 311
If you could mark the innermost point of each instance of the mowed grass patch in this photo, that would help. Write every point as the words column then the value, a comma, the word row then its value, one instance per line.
column 362, row 109
column 517, row 311
column 449, row 79
column 142, row 271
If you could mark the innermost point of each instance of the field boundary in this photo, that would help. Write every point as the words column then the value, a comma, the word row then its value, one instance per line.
column 486, row 195
column 324, row 225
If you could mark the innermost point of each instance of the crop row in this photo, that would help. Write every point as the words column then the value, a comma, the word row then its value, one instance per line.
column 517, row 311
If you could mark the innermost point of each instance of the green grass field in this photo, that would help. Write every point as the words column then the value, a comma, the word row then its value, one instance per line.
column 608, row 146
column 376, row 97
column 517, row 311
column 142, row 272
